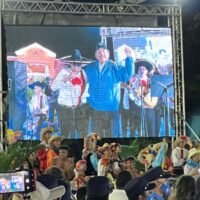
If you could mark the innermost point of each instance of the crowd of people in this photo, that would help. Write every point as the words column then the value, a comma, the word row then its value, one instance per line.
column 101, row 174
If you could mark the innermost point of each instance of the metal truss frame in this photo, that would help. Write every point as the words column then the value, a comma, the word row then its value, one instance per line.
column 58, row 6
column 173, row 12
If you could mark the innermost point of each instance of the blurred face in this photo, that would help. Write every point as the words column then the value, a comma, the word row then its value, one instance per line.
column 163, row 54
column 25, row 164
column 142, row 70
column 129, row 163
column 47, row 136
column 107, row 153
column 181, row 144
column 102, row 55
column 63, row 153
column 37, row 90
column 75, row 67
column 32, row 156
column 56, row 143
column 118, row 149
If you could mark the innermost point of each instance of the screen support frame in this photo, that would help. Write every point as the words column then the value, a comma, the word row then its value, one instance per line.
column 116, row 14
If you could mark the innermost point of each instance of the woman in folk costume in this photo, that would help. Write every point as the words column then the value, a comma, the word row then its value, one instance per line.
column 46, row 135
column 80, row 178
column 193, row 163
column 105, row 164
column 161, row 158
column 146, row 156
column 90, row 154
column 53, row 151
column 43, row 147
column 116, row 150
column 106, row 157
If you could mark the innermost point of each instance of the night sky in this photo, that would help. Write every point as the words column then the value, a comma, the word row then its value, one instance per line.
column 191, row 42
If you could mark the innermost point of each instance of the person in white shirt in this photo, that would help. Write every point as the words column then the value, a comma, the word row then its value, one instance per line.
column 119, row 193
column 38, row 106
column 71, row 82
column 179, row 156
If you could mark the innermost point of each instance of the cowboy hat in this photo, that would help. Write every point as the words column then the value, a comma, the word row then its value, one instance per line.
column 53, row 138
column 44, row 131
column 138, row 63
column 38, row 84
column 75, row 58
column 193, row 152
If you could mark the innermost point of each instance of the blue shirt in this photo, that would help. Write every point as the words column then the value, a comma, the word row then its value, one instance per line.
column 104, row 87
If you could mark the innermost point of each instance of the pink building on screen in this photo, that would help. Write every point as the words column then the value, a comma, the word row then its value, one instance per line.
column 38, row 59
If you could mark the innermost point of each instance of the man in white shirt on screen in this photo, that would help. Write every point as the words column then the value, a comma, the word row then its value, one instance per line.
column 72, row 86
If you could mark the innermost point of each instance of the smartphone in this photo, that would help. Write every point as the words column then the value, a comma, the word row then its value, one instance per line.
column 18, row 181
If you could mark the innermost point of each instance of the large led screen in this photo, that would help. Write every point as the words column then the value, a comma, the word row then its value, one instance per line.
column 115, row 81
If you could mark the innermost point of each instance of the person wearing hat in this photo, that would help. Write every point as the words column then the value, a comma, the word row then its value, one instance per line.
column 115, row 150
column 80, row 178
column 90, row 154
column 54, row 144
column 192, row 167
column 104, row 77
column 45, row 135
column 164, row 63
column 179, row 156
column 38, row 106
column 145, row 112
column 71, row 84
column 43, row 147
column 105, row 160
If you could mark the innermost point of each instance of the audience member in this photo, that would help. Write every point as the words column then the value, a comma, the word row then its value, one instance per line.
column 119, row 193
column 98, row 188
column 184, row 189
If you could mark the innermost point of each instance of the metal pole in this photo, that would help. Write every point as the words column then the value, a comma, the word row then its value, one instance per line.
column 1, row 82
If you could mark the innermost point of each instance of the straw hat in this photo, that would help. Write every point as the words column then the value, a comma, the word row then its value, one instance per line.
column 193, row 152
column 53, row 138
column 177, row 142
column 95, row 136
column 44, row 131
column 105, row 147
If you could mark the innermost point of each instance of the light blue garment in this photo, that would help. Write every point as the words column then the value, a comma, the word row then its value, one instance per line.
column 154, row 196
column 94, row 160
column 160, row 157
column 126, row 99
column 104, row 86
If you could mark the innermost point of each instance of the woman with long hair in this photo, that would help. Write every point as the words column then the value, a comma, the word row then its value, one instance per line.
column 184, row 189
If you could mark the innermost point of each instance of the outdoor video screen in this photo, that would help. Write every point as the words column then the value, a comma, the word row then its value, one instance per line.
column 114, row 81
